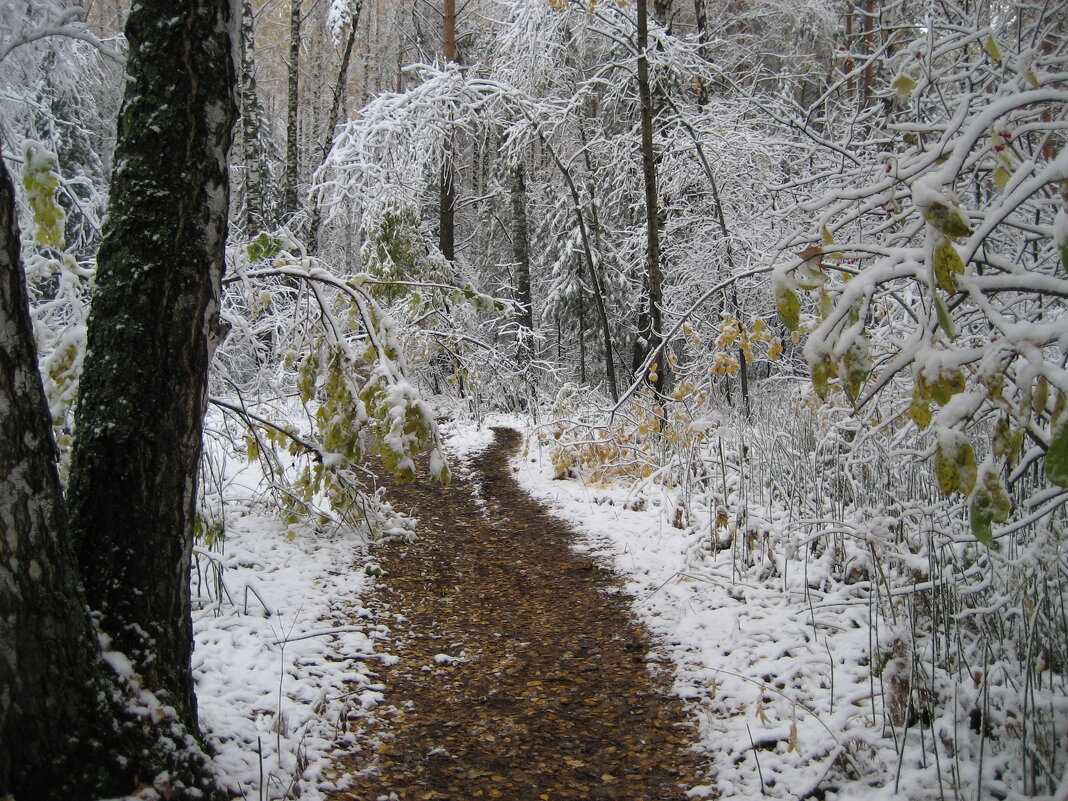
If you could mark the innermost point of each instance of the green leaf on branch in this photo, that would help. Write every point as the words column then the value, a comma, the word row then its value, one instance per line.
column 826, row 304
column 990, row 504
column 992, row 49
column 1040, row 396
column 789, row 307
column 955, row 466
column 821, row 374
column 946, row 219
column 950, row 381
column 264, row 247
column 828, row 240
column 920, row 410
column 903, row 85
column 856, row 367
column 1057, row 457
column 944, row 320
column 41, row 180
column 947, row 266
column 1001, row 178
column 1003, row 439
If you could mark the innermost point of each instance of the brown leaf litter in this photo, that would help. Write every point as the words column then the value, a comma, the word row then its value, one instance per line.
column 522, row 674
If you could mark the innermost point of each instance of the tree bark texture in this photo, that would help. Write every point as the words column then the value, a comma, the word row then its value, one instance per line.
column 153, row 322
column 45, row 646
column 289, row 198
column 67, row 730
column 447, row 194
column 521, row 252
column 250, row 126
column 652, row 333
column 701, row 15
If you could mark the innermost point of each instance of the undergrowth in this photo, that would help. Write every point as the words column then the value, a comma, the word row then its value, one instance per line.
column 967, row 644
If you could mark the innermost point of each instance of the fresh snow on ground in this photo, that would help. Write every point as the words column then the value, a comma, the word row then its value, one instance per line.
column 775, row 670
column 285, row 654
column 773, row 658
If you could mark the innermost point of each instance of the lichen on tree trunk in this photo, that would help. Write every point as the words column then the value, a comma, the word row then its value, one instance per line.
column 68, row 728
column 132, row 493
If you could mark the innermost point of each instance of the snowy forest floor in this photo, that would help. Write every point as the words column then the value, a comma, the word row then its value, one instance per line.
column 522, row 674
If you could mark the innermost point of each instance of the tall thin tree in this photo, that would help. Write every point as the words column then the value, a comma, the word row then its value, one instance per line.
column 653, row 282
column 289, row 191
column 250, row 125
column 521, row 251
column 447, row 193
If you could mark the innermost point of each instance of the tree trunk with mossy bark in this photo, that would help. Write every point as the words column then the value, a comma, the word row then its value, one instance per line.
column 153, row 323
column 69, row 728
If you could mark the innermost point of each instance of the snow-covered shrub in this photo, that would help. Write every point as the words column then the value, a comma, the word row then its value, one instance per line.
column 931, row 286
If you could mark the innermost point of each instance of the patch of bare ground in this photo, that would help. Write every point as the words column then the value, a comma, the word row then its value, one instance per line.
column 522, row 674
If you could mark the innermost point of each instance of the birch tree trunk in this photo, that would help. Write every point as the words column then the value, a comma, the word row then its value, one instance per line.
column 654, row 294
column 46, row 652
column 447, row 194
column 67, row 727
column 289, row 197
column 154, row 317
column 252, row 152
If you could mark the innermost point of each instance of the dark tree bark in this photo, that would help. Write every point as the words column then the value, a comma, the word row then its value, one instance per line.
column 154, row 318
column 447, row 186
column 250, row 126
column 45, row 646
column 662, row 13
column 521, row 252
column 869, row 48
column 650, row 335
column 66, row 729
column 701, row 15
column 289, row 197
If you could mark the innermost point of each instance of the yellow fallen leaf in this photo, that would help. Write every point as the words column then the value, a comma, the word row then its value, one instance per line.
column 575, row 763
column 607, row 777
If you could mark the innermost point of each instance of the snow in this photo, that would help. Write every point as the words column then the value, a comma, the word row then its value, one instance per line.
column 284, row 663
column 773, row 662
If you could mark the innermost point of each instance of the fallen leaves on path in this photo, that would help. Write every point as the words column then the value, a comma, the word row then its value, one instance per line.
column 522, row 675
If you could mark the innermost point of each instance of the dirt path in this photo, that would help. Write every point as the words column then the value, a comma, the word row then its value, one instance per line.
column 549, row 697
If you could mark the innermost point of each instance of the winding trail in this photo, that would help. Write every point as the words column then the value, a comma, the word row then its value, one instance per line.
column 522, row 675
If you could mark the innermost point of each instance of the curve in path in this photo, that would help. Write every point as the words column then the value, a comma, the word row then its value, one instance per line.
column 522, row 675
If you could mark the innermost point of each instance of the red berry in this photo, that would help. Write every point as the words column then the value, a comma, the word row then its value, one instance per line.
column 1006, row 134
column 999, row 148
column 887, row 168
column 919, row 54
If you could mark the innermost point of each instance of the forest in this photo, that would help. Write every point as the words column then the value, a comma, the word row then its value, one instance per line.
column 763, row 302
